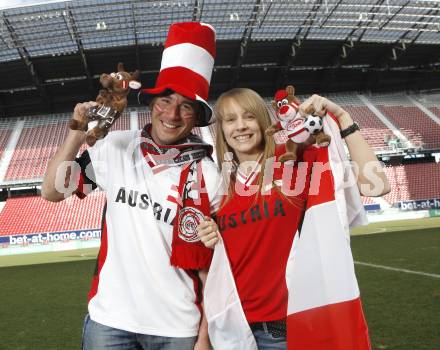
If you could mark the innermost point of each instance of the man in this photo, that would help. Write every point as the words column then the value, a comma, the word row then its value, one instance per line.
column 159, row 183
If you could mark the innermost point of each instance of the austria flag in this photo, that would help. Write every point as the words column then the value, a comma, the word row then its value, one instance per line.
column 324, row 308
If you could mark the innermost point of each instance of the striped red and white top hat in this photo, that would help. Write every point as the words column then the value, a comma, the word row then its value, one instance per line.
column 187, row 63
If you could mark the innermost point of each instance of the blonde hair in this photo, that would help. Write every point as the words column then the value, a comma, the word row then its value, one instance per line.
column 251, row 102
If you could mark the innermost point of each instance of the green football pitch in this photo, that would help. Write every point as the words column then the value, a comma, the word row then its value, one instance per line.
column 44, row 295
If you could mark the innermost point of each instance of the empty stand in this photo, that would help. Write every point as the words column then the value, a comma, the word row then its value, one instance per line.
column 197, row 132
column 435, row 110
column 372, row 128
column 25, row 215
column 413, row 182
column 38, row 142
column 4, row 137
column 144, row 117
column 213, row 131
column 430, row 101
column 122, row 123
column 41, row 136
column 419, row 128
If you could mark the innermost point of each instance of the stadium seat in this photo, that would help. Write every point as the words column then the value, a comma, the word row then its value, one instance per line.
column 38, row 142
column 4, row 137
column 413, row 182
column 435, row 110
column 372, row 128
column 143, row 118
column 418, row 127
column 25, row 215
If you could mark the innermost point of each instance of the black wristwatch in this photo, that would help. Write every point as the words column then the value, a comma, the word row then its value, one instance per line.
column 350, row 130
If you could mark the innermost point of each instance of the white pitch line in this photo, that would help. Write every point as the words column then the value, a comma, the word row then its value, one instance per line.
column 397, row 269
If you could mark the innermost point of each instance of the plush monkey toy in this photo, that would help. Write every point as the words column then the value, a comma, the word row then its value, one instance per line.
column 111, row 100
column 298, row 128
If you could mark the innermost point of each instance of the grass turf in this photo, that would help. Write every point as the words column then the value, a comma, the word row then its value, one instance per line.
column 402, row 309
column 51, row 257
column 43, row 305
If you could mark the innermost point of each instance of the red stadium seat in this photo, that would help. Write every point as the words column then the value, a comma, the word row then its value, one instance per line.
column 372, row 127
column 435, row 110
column 144, row 118
column 413, row 182
column 25, row 215
column 418, row 127
column 37, row 144
column 39, row 141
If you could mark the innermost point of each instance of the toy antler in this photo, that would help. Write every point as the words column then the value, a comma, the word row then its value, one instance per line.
column 135, row 75
column 134, row 83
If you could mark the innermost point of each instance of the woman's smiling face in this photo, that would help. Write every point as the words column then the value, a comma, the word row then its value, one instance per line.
column 242, row 132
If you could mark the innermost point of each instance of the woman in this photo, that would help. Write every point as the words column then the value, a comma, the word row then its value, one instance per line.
column 257, row 220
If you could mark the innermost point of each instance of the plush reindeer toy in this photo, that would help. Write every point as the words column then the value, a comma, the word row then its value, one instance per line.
column 112, row 100
column 298, row 128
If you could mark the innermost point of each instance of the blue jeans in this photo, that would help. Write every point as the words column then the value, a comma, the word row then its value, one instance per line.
column 99, row 337
column 266, row 341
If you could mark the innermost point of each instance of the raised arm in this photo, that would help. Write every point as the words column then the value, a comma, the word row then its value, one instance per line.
column 66, row 152
column 372, row 180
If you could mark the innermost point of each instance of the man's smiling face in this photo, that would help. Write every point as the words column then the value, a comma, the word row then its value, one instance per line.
column 173, row 117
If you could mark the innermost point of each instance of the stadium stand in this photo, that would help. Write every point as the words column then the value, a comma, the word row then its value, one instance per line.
column 435, row 110
column 432, row 102
column 213, row 131
column 38, row 142
column 4, row 137
column 208, row 136
column 413, row 181
column 41, row 136
column 71, row 214
column 372, row 128
column 143, row 118
column 197, row 132
column 123, row 123
column 418, row 127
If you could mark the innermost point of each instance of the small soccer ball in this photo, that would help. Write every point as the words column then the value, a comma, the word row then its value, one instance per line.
column 313, row 123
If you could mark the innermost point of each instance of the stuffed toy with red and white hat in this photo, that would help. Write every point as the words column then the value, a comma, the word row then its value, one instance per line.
column 297, row 127
column 111, row 100
column 187, row 64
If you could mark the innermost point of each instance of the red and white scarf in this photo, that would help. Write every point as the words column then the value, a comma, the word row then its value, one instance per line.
column 324, row 309
column 187, row 252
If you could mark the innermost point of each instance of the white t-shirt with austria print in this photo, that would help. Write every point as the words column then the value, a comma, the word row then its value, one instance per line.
column 135, row 288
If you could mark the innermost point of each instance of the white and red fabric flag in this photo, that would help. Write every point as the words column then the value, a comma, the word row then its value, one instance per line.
column 324, row 307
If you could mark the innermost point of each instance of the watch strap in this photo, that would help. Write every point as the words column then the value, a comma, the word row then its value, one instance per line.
column 349, row 130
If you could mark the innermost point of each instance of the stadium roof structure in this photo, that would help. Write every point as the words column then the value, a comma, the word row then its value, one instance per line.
column 52, row 53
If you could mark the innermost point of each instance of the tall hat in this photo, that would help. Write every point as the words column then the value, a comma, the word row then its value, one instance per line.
column 187, row 62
